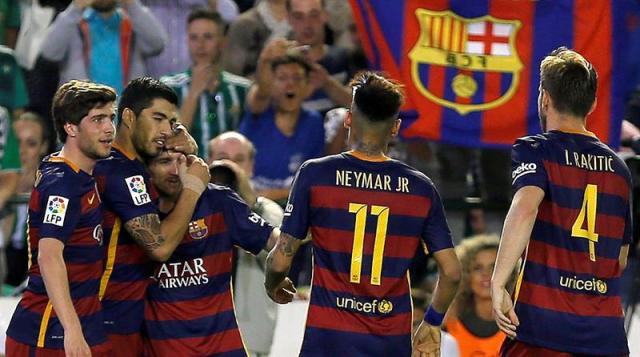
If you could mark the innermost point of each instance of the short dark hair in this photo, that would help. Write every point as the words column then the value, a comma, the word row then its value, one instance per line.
column 73, row 101
column 379, row 99
column 203, row 13
column 570, row 80
column 140, row 93
column 292, row 58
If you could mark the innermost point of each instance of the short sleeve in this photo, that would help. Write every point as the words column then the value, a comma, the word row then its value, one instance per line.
column 436, row 233
column 61, row 212
column 248, row 230
column 127, row 194
column 527, row 166
column 296, row 212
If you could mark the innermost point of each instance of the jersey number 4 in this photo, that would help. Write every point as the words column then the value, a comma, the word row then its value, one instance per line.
column 358, row 241
column 588, row 213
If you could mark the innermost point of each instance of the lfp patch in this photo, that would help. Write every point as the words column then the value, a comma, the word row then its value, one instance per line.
column 138, row 190
column 56, row 210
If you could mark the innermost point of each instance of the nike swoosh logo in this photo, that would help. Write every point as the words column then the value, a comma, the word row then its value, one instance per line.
column 91, row 199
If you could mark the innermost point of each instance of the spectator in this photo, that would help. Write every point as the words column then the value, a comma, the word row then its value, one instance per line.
column 9, row 22
column 255, row 312
column 211, row 100
column 13, row 99
column 285, row 134
column 249, row 34
column 331, row 64
column 33, row 142
column 173, row 15
column 107, row 43
column 470, row 320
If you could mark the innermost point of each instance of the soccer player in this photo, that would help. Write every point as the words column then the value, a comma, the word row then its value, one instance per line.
column 60, row 313
column 571, row 213
column 147, row 112
column 368, row 214
column 189, row 308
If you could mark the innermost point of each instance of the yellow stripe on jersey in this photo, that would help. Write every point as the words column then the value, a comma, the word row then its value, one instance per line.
column 111, row 258
column 44, row 324
column 516, row 291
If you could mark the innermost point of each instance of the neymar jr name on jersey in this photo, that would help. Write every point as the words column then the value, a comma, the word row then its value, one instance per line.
column 371, row 181
column 588, row 161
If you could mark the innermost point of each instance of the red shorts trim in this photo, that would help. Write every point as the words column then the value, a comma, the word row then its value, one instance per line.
column 515, row 348
column 126, row 345
column 17, row 349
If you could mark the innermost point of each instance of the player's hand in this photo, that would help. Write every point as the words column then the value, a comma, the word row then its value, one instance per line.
column 504, row 312
column 283, row 293
column 426, row 341
column 181, row 141
column 194, row 173
column 75, row 345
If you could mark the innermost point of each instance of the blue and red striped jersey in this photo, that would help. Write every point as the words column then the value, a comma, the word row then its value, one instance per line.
column 189, row 310
column 127, row 193
column 367, row 220
column 568, row 293
column 64, row 205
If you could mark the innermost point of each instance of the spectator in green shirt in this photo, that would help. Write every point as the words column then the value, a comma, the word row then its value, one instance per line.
column 9, row 22
column 211, row 100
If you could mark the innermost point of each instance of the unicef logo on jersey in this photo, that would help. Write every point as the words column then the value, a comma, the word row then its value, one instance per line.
column 575, row 283
column 376, row 306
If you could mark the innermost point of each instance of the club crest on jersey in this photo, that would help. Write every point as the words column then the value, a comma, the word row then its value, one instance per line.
column 476, row 57
column 56, row 210
column 138, row 190
column 198, row 229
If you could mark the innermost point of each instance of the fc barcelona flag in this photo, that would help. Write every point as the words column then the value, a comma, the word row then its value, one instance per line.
column 471, row 68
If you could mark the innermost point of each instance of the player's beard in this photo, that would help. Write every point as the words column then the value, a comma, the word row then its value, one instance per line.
column 143, row 150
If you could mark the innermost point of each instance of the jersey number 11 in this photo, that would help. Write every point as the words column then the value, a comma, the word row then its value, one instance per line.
column 358, row 241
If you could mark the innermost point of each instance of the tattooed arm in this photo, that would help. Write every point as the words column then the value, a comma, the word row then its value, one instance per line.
column 157, row 239
column 279, row 288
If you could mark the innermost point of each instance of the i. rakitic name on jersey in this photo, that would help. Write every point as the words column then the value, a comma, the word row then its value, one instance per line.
column 588, row 161
column 371, row 181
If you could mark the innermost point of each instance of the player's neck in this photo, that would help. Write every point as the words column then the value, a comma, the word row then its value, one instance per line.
column 566, row 123
column 125, row 144
column 72, row 154
column 369, row 150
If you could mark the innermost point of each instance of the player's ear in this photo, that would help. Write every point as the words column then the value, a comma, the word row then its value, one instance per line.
column 71, row 129
column 395, row 129
column 347, row 119
column 128, row 118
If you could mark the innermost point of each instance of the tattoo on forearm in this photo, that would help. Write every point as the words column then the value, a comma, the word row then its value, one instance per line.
column 287, row 245
column 145, row 230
